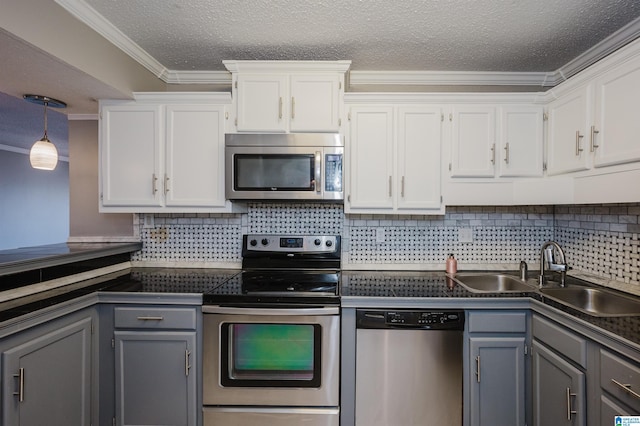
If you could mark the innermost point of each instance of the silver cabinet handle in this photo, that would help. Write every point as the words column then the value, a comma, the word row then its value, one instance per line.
column 506, row 154
column 187, row 366
column 594, row 132
column 493, row 154
column 293, row 107
column 154, row 183
column 578, row 148
column 166, row 184
column 569, row 410
column 402, row 187
column 20, row 377
column 390, row 183
column 318, row 172
column 150, row 318
column 280, row 108
column 478, row 368
column 626, row 388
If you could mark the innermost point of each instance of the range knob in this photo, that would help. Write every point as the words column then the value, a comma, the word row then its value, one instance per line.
column 317, row 242
column 329, row 243
column 265, row 241
column 253, row 243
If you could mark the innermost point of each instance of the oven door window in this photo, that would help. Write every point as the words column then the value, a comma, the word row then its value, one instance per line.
column 274, row 172
column 271, row 355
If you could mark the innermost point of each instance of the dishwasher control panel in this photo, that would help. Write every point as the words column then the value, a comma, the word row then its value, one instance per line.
column 430, row 320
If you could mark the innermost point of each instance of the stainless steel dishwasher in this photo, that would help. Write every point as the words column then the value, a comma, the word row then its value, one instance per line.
column 409, row 367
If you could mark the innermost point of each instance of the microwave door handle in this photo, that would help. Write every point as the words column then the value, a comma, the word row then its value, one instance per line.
column 318, row 171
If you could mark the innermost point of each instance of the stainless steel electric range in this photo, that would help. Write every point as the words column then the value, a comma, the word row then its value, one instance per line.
column 271, row 335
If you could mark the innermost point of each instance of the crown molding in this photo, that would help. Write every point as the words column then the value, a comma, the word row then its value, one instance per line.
column 406, row 98
column 284, row 66
column 447, row 78
column 89, row 16
column 196, row 77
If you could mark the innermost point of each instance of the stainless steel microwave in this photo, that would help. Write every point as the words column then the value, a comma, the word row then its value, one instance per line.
column 291, row 166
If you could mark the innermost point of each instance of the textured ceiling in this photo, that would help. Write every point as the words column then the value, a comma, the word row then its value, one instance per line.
column 458, row 35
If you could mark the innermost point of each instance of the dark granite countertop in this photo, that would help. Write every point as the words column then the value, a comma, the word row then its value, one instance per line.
column 31, row 258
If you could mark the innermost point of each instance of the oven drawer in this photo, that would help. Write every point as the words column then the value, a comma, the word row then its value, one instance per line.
column 157, row 318
column 271, row 416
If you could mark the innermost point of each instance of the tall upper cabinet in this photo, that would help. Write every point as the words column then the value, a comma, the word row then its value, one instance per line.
column 287, row 96
column 163, row 152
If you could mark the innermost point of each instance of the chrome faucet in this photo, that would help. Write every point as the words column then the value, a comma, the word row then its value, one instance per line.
column 547, row 253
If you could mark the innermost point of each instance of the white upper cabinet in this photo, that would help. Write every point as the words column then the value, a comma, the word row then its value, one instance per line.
column 473, row 145
column 287, row 96
column 569, row 118
column 163, row 153
column 394, row 157
column 521, row 141
column 615, row 135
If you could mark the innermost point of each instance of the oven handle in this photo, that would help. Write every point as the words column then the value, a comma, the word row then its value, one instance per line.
column 209, row 309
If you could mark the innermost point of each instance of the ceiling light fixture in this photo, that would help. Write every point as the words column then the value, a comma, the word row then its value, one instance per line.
column 44, row 155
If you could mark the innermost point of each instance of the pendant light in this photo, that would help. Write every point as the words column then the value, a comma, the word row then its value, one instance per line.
column 44, row 155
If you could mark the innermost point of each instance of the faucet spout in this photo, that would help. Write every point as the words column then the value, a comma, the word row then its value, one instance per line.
column 548, row 255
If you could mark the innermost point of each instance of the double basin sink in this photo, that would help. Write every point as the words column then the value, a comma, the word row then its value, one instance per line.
column 594, row 301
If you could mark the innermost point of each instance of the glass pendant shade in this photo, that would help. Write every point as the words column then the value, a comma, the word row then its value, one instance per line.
column 43, row 155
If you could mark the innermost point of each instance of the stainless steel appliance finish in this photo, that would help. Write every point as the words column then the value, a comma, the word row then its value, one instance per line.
column 271, row 339
column 409, row 368
column 292, row 166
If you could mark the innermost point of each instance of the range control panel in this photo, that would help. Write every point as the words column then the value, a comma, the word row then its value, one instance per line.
column 292, row 243
column 434, row 320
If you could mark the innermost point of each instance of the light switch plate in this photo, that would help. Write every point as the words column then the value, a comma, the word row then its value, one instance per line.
column 148, row 221
column 465, row 235
column 380, row 235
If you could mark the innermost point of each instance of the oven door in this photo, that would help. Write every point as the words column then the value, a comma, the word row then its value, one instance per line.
column 271, row 357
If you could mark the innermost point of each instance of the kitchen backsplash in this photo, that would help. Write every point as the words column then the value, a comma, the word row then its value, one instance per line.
column 600, row 240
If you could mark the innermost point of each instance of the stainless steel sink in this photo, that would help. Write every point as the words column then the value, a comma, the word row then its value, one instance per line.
column 492, row 283
column 594, row 301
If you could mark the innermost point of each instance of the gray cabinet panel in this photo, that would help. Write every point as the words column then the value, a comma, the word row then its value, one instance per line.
column 155, row 378
column 558, row 389
column 47, row 379
column 498, row 381
column 570, row 345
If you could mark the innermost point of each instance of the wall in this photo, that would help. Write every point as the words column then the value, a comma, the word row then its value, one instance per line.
column 85, row 222
column 34, row 204
column 598, row 240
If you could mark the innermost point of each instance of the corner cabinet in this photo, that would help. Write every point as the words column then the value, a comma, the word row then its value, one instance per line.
column 287, row 96
column 163, row 153
column 47, row 373
column 495, row 368
column 155, row 365
column 394, row 158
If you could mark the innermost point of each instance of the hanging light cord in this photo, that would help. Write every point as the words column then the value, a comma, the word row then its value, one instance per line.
column 45, row 120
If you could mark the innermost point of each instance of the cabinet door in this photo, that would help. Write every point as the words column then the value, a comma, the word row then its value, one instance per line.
column 371, row 158
column 558, row 390
column 194, row 175
column 568, row 150
column 130, row 150
column 315, row 103
column 474, row 141
column 498, row 381
column 155, row 378
column 47, row 381
column 616, row 117
column 419, row 138
column 521, row 141
column 262, row 102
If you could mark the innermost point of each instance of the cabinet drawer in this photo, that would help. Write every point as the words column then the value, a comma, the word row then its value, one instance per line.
column 497, row 322
column 569, row 344
column 624, row 373
column 155, row 318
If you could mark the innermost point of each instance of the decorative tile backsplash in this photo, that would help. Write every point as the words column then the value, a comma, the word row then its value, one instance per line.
column 600, row 239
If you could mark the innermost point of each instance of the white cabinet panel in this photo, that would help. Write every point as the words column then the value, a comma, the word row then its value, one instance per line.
column 131, row 155
column 616, row 116
column 370, row 158
column 474, row 141
column 315, row 103
column 569, row 116
column 521, row 141
column 262, row 102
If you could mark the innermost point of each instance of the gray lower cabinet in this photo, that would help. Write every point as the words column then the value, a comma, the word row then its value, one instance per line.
column 46, row 375
column 155, row 366
column 619, row 386
column 559, row 381
column 496, row 368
